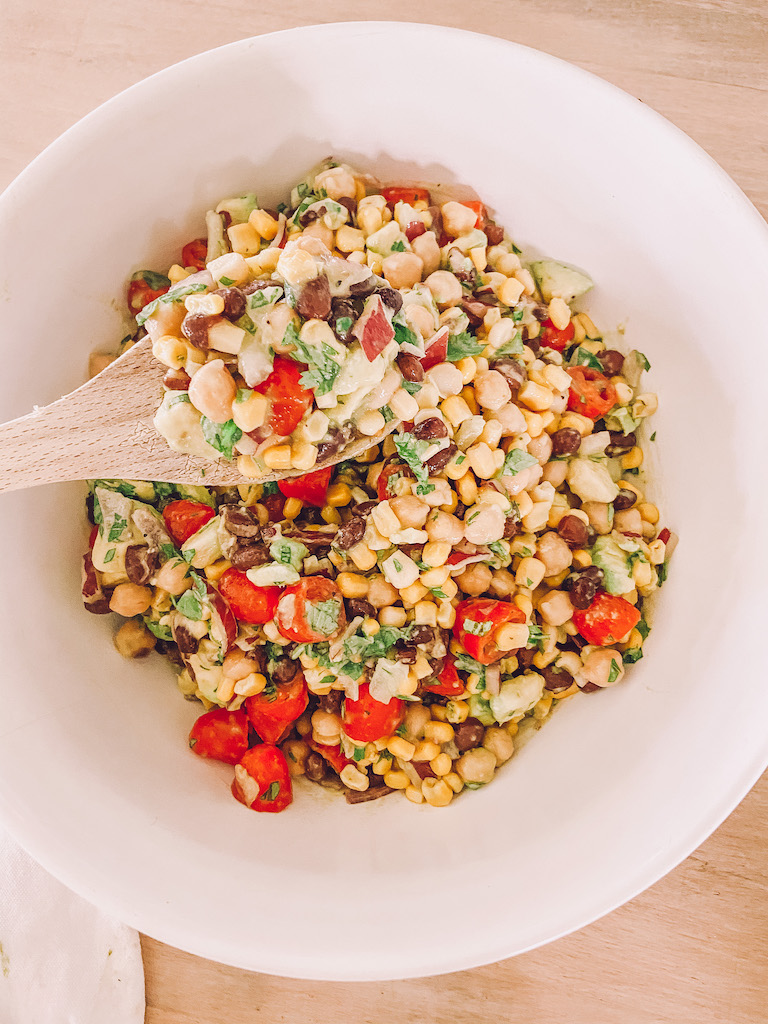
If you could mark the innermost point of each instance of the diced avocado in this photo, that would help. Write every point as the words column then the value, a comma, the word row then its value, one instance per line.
column 480, row 709
column 590, row 480
column 180, row 424
column 559, row 280
column 239, row 208
column 217, row 240
column 203, row 547
column 621, row 419
column 273, row 575
column 191, row 492
column 288, row 552
column 608, row 556
column 516, row 696
column 383, row 240
column 307, row 186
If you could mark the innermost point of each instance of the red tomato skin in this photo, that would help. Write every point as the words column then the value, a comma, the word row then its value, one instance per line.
column 249, row 603
column 140, row 295
column 437, row 350
column 448, row 683
column 270, row 714
column 607, row 620
column 226, row 627
column 291, row 616
column 266, row 764
column 373, row 328
column 551, row 337
column 591, row 393
column 333, row 755
column 311, row 488
column 484, row 609
column 220, row 735
column 92, row 537
column 366, row 719
column 290, row 400
column 405, row 194
column 193, row 254
column 382, row 484
column 184, row 518
column 477, row 207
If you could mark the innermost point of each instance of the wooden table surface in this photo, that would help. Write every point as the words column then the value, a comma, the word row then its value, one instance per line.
column 693, row 949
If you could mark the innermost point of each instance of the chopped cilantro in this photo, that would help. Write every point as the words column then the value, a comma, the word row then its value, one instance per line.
column 411, row 451
column 161, row 632
column 517, row 315
column 404, row 334
column 643, row 360
column 243, row 394
column 176, row 294
column 662, row 573
column 653, row 436
column 398, row 565
column 462, row 345
column 631, row 656
column 477, row 628
column 323, row 617
column 154, row 280
column 109, row 555
column 583, row 357
column 323, row 367
column 272, row 793
column 169, row 551
column 116, row 530
column 513, row 347
column 613, row 675
column 411, row 386
column 398, row 246
column 387, row 413
column 270, row 487
column 182, row 397
column 401, row 730
column 643, row 628
column 536, row 636
column 221, row 436
column 226, row 281
column 190, row 605
column 439, row 593
column 516, row 461
column 358, row 754
column 188, row 555
column 344, row 324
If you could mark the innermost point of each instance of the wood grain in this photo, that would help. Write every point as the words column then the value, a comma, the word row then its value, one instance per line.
column 693, row 949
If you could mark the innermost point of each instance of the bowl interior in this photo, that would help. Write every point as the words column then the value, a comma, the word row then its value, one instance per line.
column 95, row 776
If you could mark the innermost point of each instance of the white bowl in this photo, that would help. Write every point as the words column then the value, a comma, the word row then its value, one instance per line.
column 95, row 777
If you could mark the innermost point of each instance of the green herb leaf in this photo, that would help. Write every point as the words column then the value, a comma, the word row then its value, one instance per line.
column 358, row 754
column 154, row 280
column 272, row 793
column 190, row 605
column 413, row 387
column 513, row 347
column 188, row 555
column 404, row 334
column 398, row 246
column 344, row 324
column 117, row 527
column 516, row 461
column 323, row 366
column 643, row 360
column 536, row 636
column 439, row 593
column 632, row 655
column 613, row 675
column 221, row 436
column 177, row 294
column 323, row 618
column 226, row 281
column 161, row 632
column 643, row 628
column 387, row 414
column 243, row 394
column 109, row 555
column 181, row 397
column 653, row 436
column 462, row 345
column 169, row 551
column 411, row 451
column 583, row 357
column 477, row 628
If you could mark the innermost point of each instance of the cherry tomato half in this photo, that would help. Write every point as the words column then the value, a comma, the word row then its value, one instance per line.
column 184, row 518
column 590, row 394
column 273, row 710
column 448, row 683
column 310, row 611
column 289, row 399
column 144, row 287
column 267, row 767
column 477, row 621
column 366, row 720
column 478, row 208
column 193, row 254
column 248, row 602
column 220, row 735
column 310, row 488
column 389, row 476
column 607, row 620
column 404, row 194
column 551, row 337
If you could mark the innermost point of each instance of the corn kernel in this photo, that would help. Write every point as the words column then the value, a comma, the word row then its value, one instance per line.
column 436, row 792
column 292, row 508
column 414, row 795
column 633, row 459
column 393, row 617
column 455, row 781
column 425, row 750
column 648, row 512
column 396, row 780
column 278, row 457
column 362, row 556
column 401, row 747
column 216, row 570
column 438, row 732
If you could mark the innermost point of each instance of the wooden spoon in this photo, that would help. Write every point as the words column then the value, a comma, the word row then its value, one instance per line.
column 104, row 430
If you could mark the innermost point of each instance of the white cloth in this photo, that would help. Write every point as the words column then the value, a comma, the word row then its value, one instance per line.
column 61, row 960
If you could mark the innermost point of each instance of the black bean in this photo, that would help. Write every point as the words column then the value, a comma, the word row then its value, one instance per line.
column 89, row 509
column 239, row 521
column 185, row 641
column 573, row 531
column 391, row 298
column 540, row 312
column 309, row 216
column 423, row 769
column 234, row 302
column 534, row 344
column 356, row 796
column 512, row 371
column 430, row 429
column 275, row 505
column 613, row 361
column 410, row 367
column 94, row 598
column 441, row 459
column 363, row 288
column 363, row 508
column 422, row 635
column 315, row 768
column 589, row 687
column 619, row 443
column 249, row 554
column 556, row 679
column 170, row 651
column 330, row 445
column 565, row 441
column 494, row 233
column 584, row 586
column 195, row 327
column 350, row 533
column 350, row 204
column 475, row 311
column 284, row 669
column 176, row 380
column 313, row 301
column 344, row 314
column 358, row 606
column 525, row 656
column 141, row 563
column 468, row 734
column 624, row 499
column 260, row 284
column 511, row 527
column 330, row 702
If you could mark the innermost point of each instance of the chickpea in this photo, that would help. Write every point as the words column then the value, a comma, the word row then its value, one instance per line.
column 212, row 390
column 492, row 390
column 337, row 182
column 457, row 218
column 445, row 288
column 475, row 580
column 541, row 448
column 598, row 513
column 237, row 665
column 554, row 553
column 129, row 599
column 601, row 664
column 555, row 473
column 173, row 577
column 444, row 526
column 484, row 524
column 326, row 728
column 419, row 319
column 134, row 640
column 319, row 229
column 403, row 269
column 476, row 765
column 628, row 521
column 416, row 718
column 447, row 378
column 556, row 608
column 427, row 248
column 499, row 742
column 381, row 594
column 511, row 419
column 410, row 511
